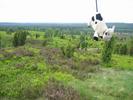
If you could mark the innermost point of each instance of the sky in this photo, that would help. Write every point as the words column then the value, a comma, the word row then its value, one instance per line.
column 64, row 11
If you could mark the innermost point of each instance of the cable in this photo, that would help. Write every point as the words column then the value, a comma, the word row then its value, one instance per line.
column 96, row 6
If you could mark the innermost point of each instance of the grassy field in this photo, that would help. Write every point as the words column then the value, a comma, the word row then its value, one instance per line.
column 42, row 72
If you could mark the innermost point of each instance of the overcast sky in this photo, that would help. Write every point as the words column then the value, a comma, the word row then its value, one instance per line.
column 64, row 10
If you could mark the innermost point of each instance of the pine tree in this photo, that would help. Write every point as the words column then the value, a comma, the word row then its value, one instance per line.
column 107, row 51
column 19, row 38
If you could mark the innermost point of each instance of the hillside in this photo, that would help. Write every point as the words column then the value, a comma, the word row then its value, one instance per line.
column 63, row 62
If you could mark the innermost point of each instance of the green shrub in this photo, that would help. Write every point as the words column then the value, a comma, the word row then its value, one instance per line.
column 9, row 31
column 62, row 36
column 5, row 40
column 83, row 44
column 123, row 49
column 107, row 51
column 48, row 33
column 68, row 51
column 130, row 47
column 19, row 38
column 45, row 42
column 0, row 41
column 37, row 35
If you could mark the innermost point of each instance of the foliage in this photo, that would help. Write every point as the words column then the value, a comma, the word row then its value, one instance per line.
column 122, row 62
column 68, row 51
column 45, row 42
column 121, row 48
column 10, row 31
column 0, row 41
column 107, row 51
column 83, row 44
column 124, row 46
column 130, row 47
column 5, row 40
column 58, row 70
column 37, row 35
column 19, row 38
column 49, row 33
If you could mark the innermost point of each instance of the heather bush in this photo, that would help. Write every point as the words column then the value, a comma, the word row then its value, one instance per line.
column 57, row 91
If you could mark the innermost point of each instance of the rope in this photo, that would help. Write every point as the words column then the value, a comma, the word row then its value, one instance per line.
column 96, row 6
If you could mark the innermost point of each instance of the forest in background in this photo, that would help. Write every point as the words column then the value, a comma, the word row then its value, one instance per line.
column 120, row 27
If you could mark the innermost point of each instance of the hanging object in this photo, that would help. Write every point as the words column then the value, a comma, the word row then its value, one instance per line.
column 100, row 27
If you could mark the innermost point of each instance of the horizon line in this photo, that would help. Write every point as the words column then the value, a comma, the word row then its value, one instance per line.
column 60, row 22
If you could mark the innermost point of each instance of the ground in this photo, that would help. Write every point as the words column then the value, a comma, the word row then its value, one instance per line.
column 37, row 72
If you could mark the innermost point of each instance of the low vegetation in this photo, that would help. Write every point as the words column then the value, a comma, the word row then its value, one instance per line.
column 55, row 64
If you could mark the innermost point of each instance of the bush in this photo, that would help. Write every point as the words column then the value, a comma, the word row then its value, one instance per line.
column 124, row 47
column 9, row 31
column 0, row 41
column 37, row 35
column 121, row 48
column 62, row 36
column 5, row 40
column 107, row 51
column 48, row 33
column 45, row 42
column 68, row 51
column 130, row 47
column 19, row 38
column 83, row 43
